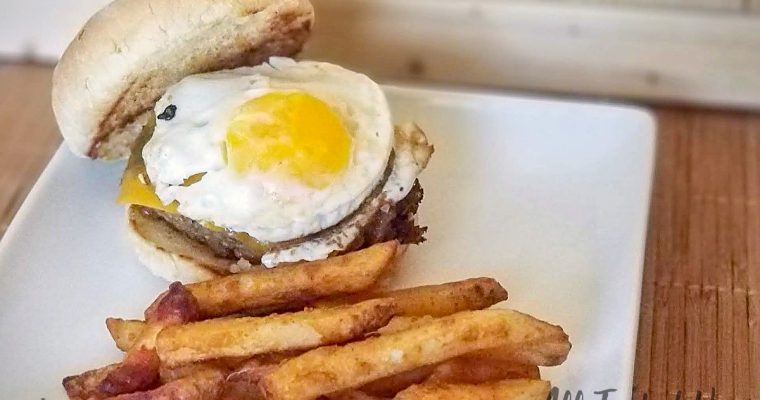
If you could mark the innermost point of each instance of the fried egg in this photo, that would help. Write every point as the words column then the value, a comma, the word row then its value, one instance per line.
column 278, row 151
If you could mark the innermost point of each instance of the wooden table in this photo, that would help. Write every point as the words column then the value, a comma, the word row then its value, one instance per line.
column 28, row 134
column 700, row 310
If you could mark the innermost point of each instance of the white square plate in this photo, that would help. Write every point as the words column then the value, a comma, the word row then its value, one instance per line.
column 549, row 197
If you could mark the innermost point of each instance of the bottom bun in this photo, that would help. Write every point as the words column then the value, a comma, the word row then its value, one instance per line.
column 163, row 264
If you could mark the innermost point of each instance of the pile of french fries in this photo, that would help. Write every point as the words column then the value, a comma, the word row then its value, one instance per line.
column 322, row 330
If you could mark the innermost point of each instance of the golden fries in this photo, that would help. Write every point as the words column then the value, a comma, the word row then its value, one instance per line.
column 178, row 305
column 352, row 395
column 402, row 323
column 448, row 298
column 436, row 300
column 335, row 368
column 206, row 384
column 243, row 383
column 520, row 389
column 127, row 332
column 147, row 338
column 474, row 369
column 124, row 331
column 265, row 291
column 294, row 284
column 169, row 374
column 175, row 306
column 429, row 342
column 249, row 336
column 433, row 300
column 464, row 369
column 140, row 369
column 545, row 353
column 85, row 385
column 390, row 385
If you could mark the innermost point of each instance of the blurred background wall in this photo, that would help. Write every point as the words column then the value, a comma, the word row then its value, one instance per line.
column 683, row 51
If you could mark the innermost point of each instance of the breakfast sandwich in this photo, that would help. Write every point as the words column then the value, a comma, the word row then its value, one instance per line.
column 238, row 155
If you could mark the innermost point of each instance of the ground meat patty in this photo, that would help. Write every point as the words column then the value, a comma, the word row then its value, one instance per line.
column 390, row 221
column 224, row 244
column 394, row 221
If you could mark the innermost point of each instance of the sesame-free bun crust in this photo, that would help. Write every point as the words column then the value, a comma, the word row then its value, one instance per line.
column 169, row 266
column 109, row 78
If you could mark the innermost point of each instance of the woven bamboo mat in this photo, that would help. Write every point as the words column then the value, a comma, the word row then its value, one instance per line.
column 699, row 328
column 700, row 311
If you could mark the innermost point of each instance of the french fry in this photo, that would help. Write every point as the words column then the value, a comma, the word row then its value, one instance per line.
column 517, row 389
column 435, row 300
column 183, row 371
column 352, row 395
column 473, row 369
column 390, row 385
column 140, row 369
column 266, row 291
column 147, row 338
column 239, row 337
column 205, row 384
column 85, row 385
column 124, row 331
column 278, row 357
column 543, row 353
column 169, row 374
column 335, row 368
column 402, row 323
column 480, row 366
column 174, row 307
column 463, row 369
column 294, row 284
column 177, row 305
column 243, row 383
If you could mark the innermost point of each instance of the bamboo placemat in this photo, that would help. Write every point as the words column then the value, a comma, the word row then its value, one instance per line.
column 699, row 329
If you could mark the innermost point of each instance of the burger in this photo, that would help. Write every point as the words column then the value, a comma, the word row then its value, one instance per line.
column 239, row 156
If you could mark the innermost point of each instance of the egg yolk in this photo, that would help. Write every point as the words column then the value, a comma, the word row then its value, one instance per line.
column 289, row 133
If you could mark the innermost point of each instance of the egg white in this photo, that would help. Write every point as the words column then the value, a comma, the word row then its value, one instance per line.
column 411, row 154
column 267, row 207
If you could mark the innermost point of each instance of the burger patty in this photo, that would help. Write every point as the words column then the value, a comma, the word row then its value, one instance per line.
column 384, row 221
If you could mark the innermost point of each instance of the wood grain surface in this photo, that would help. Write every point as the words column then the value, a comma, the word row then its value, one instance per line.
column 699, row 328
column 28, row 134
